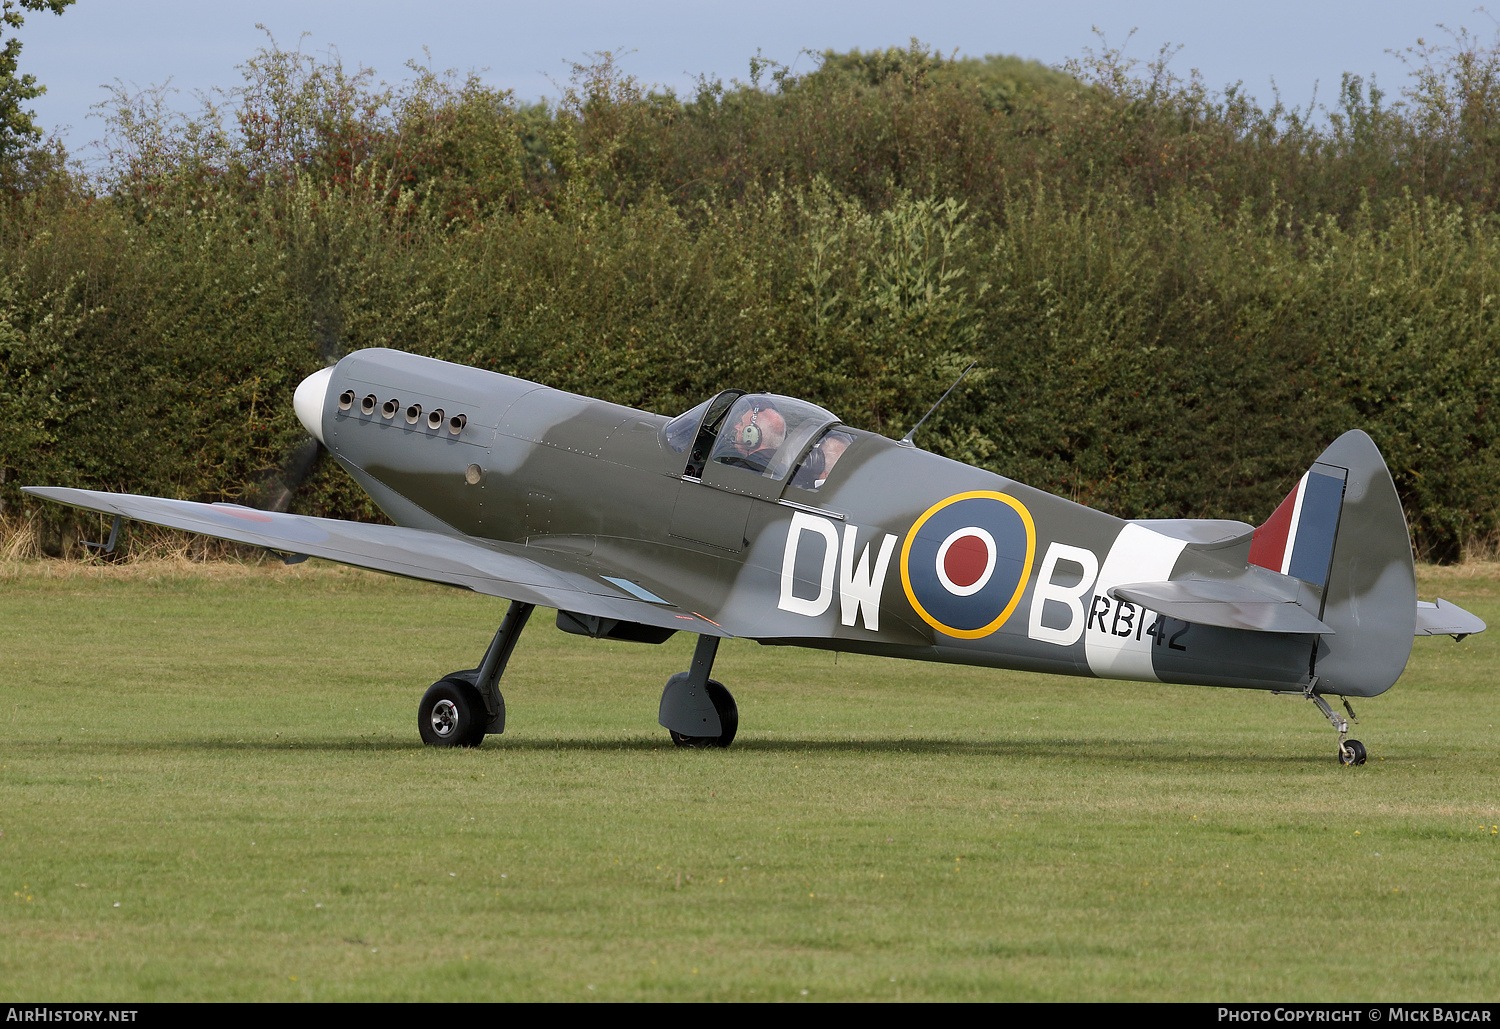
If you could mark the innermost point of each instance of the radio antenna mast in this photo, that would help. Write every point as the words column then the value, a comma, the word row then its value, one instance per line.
column 906, row 441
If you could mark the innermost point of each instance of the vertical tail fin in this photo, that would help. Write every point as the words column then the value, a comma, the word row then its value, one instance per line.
column 1342, row 532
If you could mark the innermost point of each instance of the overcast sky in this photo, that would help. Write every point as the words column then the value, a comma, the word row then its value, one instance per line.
column 528, row 47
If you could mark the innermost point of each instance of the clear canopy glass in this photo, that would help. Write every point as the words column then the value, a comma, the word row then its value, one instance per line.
column 766, row 433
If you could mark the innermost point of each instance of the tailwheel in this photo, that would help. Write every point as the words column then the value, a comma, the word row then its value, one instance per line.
column 729, row 720
column 451, row 714
column 1351, row 752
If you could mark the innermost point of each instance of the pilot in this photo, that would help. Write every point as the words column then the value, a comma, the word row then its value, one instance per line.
column 755, row 437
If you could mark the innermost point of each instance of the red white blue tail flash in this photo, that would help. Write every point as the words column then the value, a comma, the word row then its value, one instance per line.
column 1297, row 539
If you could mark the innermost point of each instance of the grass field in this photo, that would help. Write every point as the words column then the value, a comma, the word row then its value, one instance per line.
column 212, row 789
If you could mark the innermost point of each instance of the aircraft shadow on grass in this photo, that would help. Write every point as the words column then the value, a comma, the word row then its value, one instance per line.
column 1100, row 750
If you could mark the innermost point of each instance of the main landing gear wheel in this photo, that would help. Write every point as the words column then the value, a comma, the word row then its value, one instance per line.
column 1352, row 753
column 729, row 720
column 451, row 715
column 462, row 707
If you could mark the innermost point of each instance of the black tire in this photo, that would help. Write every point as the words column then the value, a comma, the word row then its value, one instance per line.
column 1352, row 753
column 729, row 720
column 451, row 715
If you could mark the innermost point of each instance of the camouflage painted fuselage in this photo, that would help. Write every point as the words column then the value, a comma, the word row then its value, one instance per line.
column 900, row 552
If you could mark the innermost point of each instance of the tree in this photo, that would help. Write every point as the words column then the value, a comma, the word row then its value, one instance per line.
column 16, row 127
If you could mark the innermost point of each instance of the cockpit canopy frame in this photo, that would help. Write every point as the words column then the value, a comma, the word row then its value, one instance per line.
column 747, row 442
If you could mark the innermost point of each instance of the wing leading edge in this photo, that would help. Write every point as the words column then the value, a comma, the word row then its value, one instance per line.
column 510, row 571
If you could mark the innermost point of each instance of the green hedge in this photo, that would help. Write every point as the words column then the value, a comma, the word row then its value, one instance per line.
column 1176, row 300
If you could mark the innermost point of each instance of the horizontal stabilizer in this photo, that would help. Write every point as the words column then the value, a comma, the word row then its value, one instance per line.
column 1227, row 604
column 1445, row 619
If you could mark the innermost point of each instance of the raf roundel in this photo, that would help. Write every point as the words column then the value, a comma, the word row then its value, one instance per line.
column 966, row 561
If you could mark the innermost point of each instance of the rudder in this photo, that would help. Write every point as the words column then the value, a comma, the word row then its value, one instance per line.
column 1343, row 533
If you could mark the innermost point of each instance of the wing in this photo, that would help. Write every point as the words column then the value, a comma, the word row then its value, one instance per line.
column 508, row 570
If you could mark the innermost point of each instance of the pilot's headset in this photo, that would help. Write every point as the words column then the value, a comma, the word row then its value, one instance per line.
column 750, row 435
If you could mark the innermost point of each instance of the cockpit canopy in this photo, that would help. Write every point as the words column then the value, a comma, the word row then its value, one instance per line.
column 737, row 432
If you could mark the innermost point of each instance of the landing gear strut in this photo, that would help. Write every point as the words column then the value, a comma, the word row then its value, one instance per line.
column 461, row 708
column 696, row 710
column 1351, row 752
